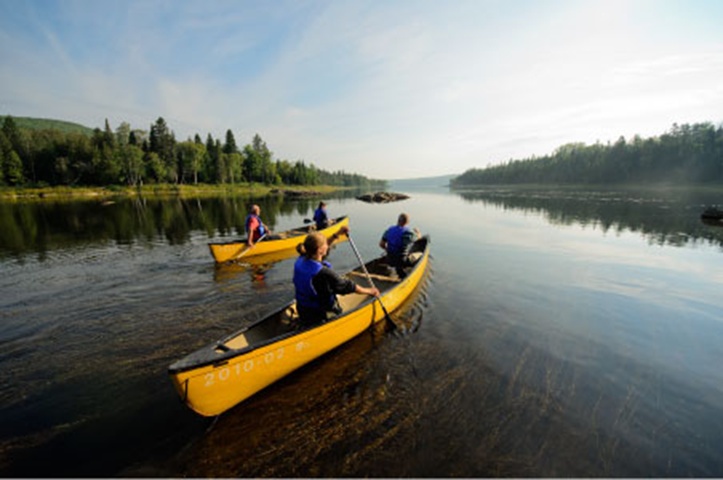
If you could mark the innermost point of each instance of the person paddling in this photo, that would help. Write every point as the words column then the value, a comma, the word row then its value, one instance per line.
column 396, row 241
column 255, row 228
column 321, row 218
column 317, row 285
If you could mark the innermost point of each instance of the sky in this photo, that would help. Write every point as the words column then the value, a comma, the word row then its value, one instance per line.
column 387, row 89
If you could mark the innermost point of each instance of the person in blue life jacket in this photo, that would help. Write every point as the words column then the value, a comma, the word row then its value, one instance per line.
column 255, row 228
column 317, row 285
column 321, row 219
column 396, row 241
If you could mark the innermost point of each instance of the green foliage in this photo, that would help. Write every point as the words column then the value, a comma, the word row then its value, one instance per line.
column 130, row 159
column 97, row 157
column 29, row 123
column 691, row 154
column 191, row 158
column 230, row 146
column 13, row 169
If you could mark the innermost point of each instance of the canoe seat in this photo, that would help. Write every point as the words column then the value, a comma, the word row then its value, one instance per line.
column 414, row 257
column 234, row 344
column 351, row 301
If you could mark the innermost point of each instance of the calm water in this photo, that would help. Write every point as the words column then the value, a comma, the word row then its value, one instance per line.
column 557, row 334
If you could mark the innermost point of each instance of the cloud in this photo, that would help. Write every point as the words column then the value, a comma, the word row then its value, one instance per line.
column 384, row 89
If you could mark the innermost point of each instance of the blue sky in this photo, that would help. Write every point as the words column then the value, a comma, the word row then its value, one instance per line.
column 389, row 89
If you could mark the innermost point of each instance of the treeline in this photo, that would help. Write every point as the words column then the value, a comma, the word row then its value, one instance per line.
column 125, row 156
column 688, row 154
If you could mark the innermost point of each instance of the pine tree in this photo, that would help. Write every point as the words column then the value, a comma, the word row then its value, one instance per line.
column 230, row 145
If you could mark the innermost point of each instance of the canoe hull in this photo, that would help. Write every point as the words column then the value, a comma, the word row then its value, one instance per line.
column 215, row 387
column 230, row 251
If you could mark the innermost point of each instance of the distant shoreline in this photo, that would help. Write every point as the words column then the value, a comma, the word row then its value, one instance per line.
column 160, row 190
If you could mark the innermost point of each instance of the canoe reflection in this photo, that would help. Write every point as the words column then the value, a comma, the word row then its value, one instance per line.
column 257, row 265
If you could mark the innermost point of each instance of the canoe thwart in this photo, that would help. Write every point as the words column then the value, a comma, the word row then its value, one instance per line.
column 376, row 276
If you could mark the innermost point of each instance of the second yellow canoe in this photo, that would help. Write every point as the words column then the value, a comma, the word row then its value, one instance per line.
column 237, row 250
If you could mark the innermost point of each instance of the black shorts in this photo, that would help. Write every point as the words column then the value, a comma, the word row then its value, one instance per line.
column 309, row 316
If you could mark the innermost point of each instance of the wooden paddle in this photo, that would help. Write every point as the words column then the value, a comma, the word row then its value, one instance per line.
column 371, row 282
column 244, row 252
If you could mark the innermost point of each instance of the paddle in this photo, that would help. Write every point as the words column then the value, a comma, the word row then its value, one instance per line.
column 244, row 252
column 331, row 222
column 371, row 282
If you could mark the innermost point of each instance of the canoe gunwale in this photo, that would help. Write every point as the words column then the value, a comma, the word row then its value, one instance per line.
column 209, row 355
column 230, row 353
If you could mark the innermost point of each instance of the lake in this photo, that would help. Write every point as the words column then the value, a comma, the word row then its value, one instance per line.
column 559, row 333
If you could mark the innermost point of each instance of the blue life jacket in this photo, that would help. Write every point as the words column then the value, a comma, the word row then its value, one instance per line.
column 262, row 229
column 304, row 271
column 320, row 218
column 395, row 240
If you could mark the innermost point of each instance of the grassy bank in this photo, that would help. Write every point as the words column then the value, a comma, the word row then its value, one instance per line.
column 163, row 190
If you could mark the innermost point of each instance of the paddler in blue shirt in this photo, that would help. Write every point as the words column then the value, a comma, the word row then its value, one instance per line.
column 397, row 241
column 321, row 218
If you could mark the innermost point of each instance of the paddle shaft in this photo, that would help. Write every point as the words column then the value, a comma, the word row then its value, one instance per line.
column 371, row 282
column 252, row 246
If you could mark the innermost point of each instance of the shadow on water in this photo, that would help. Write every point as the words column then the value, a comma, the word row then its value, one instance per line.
column 402, row 405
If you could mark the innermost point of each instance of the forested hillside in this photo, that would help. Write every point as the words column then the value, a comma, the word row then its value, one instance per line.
column 690, row 154
column 39, row 152
column 30, row 123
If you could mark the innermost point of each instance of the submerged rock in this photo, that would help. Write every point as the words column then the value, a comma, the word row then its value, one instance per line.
column 382, row 197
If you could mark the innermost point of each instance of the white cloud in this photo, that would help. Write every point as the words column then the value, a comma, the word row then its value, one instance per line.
column 386, row 90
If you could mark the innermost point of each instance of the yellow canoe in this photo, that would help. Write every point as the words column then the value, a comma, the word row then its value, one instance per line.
column 236, row 250
column 224, row 373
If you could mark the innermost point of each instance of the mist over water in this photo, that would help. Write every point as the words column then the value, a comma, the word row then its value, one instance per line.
column 558, row 333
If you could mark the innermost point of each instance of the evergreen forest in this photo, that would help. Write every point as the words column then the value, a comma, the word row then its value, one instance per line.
column 39, row 152
column 686, row 154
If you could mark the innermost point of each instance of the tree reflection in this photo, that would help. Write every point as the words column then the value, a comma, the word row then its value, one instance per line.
column 664, row 217
column 39, row 227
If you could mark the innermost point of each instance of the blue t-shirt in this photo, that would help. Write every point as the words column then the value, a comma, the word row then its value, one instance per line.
column 398, row 239
column 321, row 219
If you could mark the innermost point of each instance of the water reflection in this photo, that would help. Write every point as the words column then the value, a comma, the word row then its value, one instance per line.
column 663, row 217
column 255, row 265
column 534, row 350
column 670, row 218
column 40, row 227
